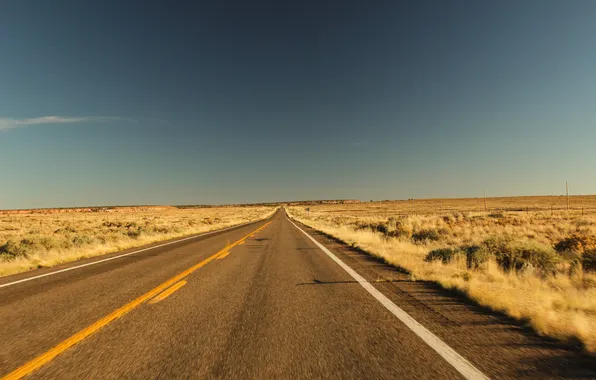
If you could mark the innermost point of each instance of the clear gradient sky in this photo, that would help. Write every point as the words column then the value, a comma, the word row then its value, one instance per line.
column 172, row 102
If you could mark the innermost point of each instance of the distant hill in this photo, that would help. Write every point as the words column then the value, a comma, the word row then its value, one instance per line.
column 289, row 203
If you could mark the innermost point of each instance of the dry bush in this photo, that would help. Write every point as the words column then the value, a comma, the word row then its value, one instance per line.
column 521, row 254
column 425, row 235
column 446, row 255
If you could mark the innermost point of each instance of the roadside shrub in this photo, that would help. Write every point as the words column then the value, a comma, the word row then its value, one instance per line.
column 161, row 230
column 107, row 238
column 112, row 224
column 362, row 226
column 444, row 231
column 66, row 244
column 466, row 276
column 576, row 244
column 580, row 250
column 380, row 227
column 11, row 250
column 81, row 240
column 338, row 221
column 49, row 243
column 475, row 256
column 393, row 228
column 398, row 229
column 65, row 230
column 581, row 222
column 572, row 261
column 28, row 243
column 134, row 234
column 518, row 255
column 449, row 219
column 496, row 215
column 425, row 235
column 589, row 260
column 446, row 255
column 23, row 248
column 392, row 223
column 401, row 232
column 541, row 257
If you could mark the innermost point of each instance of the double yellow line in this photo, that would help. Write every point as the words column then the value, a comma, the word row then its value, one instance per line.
column 168, row 292
column 46, row 357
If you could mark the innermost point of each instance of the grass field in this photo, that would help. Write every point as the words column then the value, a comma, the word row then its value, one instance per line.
column 42, row 238
column 526, row 256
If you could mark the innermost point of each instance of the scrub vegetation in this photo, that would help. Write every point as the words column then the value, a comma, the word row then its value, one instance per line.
column 526, row 259
column 42, row 238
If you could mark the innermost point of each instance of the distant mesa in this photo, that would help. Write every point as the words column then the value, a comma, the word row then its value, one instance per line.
column 323, row 202
column 123, row 209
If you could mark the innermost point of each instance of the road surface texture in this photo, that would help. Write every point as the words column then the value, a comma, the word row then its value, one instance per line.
column 266, row 304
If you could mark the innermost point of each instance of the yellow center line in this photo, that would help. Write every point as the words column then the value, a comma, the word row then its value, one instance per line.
column 168, row 292
column 225, row 254
column 46, row 357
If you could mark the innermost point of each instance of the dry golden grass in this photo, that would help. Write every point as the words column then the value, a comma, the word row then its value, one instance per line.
column 432, row 206
column 39, row 238
column 549, row 289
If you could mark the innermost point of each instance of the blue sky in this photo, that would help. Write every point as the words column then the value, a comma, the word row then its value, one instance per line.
column 152, row 102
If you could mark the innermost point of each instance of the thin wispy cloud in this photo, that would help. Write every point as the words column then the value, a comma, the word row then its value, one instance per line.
column 8, row 123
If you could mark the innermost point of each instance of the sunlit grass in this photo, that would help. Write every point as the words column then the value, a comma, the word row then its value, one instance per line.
column 518, row 271
column 41, row 239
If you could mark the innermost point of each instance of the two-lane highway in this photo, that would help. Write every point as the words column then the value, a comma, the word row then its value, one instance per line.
column 261, row 301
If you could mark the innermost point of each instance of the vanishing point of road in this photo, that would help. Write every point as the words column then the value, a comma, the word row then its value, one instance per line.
column 271, row 299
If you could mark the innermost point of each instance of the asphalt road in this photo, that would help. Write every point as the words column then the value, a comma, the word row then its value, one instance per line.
column 273, row 304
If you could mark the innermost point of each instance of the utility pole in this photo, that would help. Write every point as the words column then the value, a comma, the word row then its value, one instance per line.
column 567, row 192
column 484, row 199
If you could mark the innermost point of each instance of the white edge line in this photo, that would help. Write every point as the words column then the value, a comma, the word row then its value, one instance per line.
column 461, row 364
column 123, row 255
